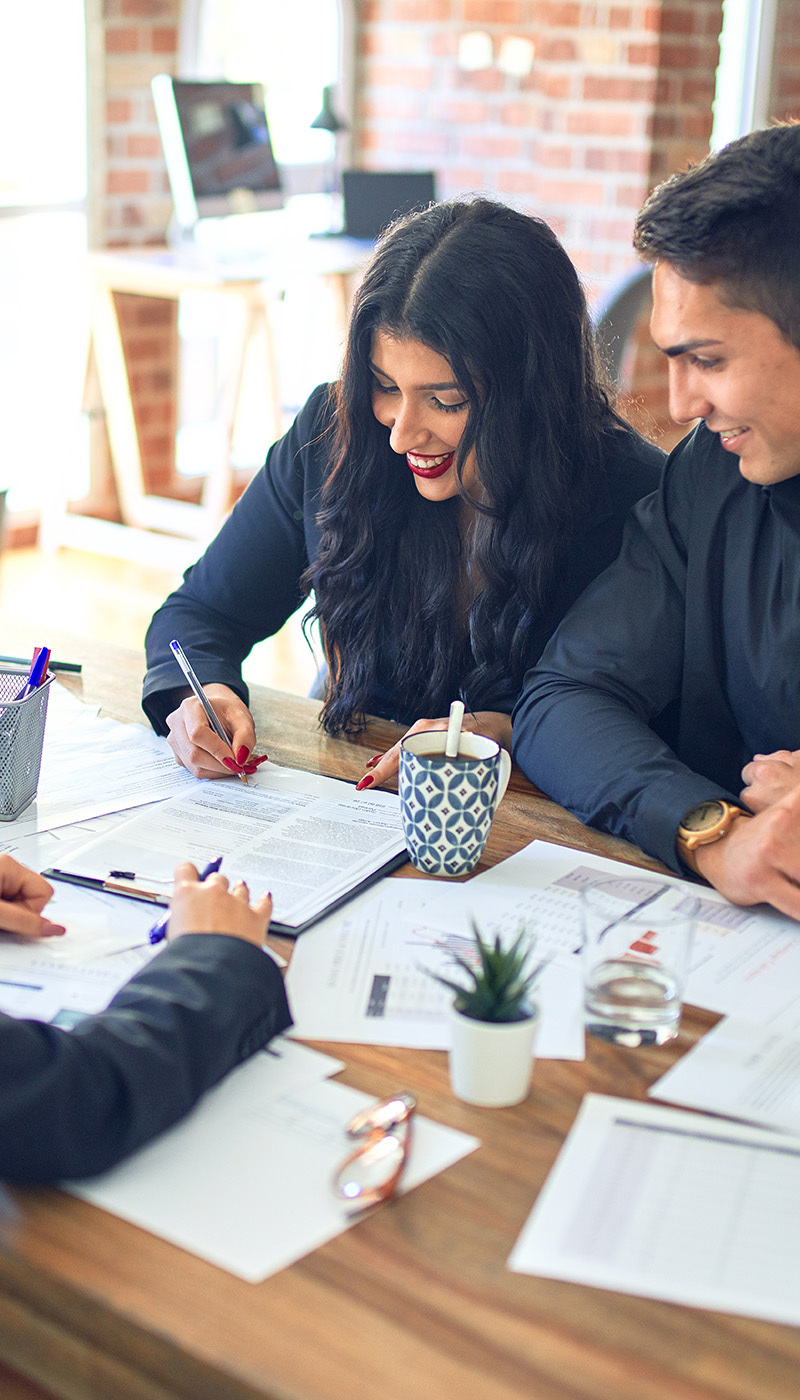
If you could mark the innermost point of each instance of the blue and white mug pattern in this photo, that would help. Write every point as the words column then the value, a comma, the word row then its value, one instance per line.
column 447, row 804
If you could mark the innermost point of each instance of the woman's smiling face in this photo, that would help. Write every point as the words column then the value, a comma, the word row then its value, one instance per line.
column 415, row 396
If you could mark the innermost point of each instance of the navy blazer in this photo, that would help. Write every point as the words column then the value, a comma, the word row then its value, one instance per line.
column 73, row 1103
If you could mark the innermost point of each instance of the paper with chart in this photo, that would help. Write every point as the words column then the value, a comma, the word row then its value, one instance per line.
column 671, row 1205
column 308, row 840
column 746, row 962
column 742, row 1070
column 245, row 1180
column 361, row 975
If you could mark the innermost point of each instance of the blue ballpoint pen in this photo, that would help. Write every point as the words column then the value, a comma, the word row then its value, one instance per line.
column 36, row 674
column 158, row 932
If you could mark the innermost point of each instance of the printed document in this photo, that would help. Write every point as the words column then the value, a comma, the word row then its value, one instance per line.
column 741, row 1070
column 362, row 975
column 310, row 841
column 245, row 1180
column 746, row 962
column 671, row 1205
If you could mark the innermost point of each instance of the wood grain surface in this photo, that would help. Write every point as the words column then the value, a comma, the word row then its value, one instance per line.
column 415, row 1300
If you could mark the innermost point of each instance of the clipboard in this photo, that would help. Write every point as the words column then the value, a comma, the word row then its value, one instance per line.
column 161, row 900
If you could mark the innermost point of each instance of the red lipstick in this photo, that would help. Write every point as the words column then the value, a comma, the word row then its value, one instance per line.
column 430, row 473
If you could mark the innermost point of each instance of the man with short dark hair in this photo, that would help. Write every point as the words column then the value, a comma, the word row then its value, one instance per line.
column 676, row 677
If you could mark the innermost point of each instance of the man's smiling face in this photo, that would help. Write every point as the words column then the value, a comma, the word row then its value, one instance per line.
column 732, row 368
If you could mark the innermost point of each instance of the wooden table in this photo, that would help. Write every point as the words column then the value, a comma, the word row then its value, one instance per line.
column 415, row 1302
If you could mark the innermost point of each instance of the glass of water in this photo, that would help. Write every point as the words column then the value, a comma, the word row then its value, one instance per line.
column 636, row 956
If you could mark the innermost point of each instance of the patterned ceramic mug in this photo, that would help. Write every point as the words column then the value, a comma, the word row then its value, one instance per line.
column 447, row 804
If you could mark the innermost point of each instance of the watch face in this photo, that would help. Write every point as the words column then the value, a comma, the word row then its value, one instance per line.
column 702, row 817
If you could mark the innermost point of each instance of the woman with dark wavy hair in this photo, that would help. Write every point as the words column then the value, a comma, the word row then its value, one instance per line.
column 446, row 501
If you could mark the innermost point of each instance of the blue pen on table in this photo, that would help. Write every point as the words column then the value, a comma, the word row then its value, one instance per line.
column 158, row 932
column 183, row 661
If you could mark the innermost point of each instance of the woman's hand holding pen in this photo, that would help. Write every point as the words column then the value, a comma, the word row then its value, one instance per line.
column 196, row 746
column 384, row 766
column 211, row 907
column 23, row 896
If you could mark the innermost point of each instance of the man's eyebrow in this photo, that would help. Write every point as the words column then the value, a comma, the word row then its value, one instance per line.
column 672, row 351
column 376, row 369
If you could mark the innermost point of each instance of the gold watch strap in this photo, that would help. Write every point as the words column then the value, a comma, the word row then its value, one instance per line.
column 688, row 851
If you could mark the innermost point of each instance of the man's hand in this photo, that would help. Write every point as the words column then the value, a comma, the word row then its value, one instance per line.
column 758, row 861
column 23, row 895
column 769, row 777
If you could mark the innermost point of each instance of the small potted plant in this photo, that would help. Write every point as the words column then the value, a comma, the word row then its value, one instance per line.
column 493, row 1022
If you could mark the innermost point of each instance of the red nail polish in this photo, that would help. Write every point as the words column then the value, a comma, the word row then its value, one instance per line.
column 365, row 782
column 242, row 754
column 250, row 768
column 370, row 763
column 229, row 763
column 262, row 759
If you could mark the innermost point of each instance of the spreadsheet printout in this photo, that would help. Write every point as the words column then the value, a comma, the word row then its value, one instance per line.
column 671, row 1205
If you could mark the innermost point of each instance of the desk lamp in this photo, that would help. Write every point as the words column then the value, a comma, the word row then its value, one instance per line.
column 327, row 119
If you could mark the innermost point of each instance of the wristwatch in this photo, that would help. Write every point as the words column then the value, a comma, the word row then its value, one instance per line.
column 704, row 824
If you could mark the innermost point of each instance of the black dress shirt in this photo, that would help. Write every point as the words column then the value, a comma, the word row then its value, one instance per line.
column 680, row 662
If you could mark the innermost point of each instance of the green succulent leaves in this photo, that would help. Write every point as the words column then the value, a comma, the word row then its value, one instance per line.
column 499, row 989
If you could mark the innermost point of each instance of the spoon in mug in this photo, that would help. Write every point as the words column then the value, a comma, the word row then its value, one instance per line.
column 454, row 729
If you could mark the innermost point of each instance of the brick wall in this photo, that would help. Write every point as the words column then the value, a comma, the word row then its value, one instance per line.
column 132, row 206
column 619, row 95
column 140, row 40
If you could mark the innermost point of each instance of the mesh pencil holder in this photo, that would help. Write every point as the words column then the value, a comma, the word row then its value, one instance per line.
column 21, row 738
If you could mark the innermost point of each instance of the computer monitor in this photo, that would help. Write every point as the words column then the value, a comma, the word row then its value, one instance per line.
column 217, row 148
column 372, row 198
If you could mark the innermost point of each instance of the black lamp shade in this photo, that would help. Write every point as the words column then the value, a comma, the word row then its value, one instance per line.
column 327, row 119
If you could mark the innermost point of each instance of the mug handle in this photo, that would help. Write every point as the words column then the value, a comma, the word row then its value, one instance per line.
column 505, row 774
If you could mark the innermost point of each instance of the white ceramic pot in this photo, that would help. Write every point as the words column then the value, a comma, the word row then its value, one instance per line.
column 491, row 1062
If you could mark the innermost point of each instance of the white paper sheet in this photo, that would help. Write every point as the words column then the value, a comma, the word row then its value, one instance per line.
column 671, row 1205
column 37, row 983
column 91, row 766
column 741, row 1070
column 97, row 924
column 307, row 839
column 361, row 974
column 746, row 962
column 245, row 1180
